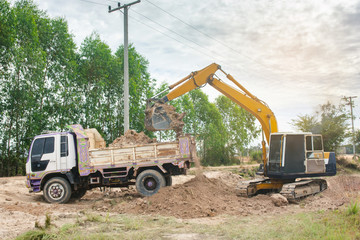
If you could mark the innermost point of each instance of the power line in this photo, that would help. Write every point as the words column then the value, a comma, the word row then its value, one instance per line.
column 196, row 49
column 94, row 2
column 154, row 28
column 174, row 32
column 207, row 35
column 170, row 36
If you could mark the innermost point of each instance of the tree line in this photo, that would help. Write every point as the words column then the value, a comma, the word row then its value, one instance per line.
column 48, row 82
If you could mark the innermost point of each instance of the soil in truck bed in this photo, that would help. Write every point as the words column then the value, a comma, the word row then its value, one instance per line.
column 131, row 137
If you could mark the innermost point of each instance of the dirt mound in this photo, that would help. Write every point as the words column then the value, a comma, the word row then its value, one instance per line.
column 229, row 178
column 131, row 137
column 199, row 197
column 341, row 190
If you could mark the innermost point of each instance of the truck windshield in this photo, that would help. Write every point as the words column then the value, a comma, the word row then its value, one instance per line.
column 275, row 148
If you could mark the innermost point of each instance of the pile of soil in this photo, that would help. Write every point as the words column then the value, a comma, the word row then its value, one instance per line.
column 131, row 137
column 199, row 197
column 341, row 190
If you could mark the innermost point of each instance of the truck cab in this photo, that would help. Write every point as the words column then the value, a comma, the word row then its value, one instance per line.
column 53, row 152
column 67, row 164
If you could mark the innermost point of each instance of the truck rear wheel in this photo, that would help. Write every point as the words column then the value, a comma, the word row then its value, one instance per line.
column 149, row 182
column 57, row 190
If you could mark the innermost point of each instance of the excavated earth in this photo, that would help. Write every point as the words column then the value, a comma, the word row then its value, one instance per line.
column 205, row 195
column 131, row 137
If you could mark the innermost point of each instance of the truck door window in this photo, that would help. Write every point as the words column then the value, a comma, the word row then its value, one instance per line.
column 37, row 148
column 64, row 146
column 41, row 146
column 49, row 145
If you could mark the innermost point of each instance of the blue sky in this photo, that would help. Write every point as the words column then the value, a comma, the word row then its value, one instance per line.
column 294, row 55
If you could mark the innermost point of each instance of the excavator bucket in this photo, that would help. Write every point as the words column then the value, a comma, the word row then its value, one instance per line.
column 157, row 118
column 161, row 116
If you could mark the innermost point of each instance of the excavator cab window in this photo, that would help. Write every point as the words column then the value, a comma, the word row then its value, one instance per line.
column 275, row 152
column 315, row 162
column 314, row 147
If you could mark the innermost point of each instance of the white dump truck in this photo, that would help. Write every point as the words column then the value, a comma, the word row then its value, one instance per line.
column 65, row 165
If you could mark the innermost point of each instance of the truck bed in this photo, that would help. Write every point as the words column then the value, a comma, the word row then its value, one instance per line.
column 136, row 155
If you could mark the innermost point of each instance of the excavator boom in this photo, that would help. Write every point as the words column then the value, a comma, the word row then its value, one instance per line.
column 159, row 118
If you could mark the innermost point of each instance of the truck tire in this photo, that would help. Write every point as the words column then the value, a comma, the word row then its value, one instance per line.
column 57, row 190
column 168, row 180
column 149, row 182
column 78, row 193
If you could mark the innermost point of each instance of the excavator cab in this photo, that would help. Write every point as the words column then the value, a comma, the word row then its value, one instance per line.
column 299, row 155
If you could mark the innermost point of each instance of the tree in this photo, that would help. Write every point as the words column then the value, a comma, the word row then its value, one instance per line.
column 101, row 80
column 330, row 121
column 239, row 125
column 37, row 57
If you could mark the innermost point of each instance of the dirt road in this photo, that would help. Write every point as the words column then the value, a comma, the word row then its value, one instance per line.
column 189, row 198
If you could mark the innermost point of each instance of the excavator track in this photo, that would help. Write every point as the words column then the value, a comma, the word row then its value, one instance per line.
column 248, row 188
column 303, row 188
column 292, row 191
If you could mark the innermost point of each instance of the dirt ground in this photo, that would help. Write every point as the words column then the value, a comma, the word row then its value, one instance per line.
column 207, row 196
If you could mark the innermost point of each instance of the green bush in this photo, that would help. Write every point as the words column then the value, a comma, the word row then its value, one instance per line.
column 256, row 156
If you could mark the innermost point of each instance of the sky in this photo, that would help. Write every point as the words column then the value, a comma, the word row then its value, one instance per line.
column 294, row 55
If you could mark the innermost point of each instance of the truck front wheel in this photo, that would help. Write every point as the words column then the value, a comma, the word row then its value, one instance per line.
column 57, row 190
column 149, row 182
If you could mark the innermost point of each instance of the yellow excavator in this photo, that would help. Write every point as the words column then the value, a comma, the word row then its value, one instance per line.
column 291, row 157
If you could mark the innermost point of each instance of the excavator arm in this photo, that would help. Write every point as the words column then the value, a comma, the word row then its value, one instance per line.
column 157, row 118
column 240, row 96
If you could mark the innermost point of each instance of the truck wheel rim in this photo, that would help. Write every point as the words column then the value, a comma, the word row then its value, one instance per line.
column 150, row 183
column 56, row 191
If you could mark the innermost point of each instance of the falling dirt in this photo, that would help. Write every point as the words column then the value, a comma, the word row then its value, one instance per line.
column 165, row 112
column 191, row 197
column 131, row 137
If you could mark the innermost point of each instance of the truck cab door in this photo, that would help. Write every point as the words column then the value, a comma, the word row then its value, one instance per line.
column 43, row 154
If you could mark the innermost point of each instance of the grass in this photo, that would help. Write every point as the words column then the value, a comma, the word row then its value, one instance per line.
column 348, row 165
column 338, row 224
column 353, row 208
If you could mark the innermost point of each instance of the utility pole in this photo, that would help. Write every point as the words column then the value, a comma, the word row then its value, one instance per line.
column 349, row 101
column 126, row 60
